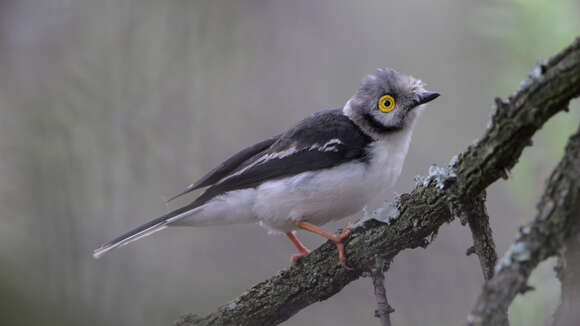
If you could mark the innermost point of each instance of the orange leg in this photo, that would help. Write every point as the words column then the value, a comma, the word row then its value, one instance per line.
column 301, row 249
column 336, row 238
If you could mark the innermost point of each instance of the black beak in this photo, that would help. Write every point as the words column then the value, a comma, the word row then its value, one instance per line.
column 427, row 97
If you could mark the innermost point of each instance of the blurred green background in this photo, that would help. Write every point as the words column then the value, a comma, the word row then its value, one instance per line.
column 107, row 107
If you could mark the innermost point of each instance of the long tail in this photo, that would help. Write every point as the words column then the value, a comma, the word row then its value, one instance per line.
column 146, row 229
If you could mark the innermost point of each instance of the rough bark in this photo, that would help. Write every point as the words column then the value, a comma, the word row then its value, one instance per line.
column 546, row 236
column 414, row 218
column 384, row 309
column 569, row 273
column 475, row 214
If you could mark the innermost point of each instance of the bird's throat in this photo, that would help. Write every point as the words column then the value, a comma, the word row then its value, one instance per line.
column 377, row 127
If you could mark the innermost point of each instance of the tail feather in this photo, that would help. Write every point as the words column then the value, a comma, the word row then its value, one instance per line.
column 189, row 189
column 129, row 237
column 146, row 229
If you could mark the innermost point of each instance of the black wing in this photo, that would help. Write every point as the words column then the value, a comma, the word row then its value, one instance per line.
column 227, row 166
column 323, row 140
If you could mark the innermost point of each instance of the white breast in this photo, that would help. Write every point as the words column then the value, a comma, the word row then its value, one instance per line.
column 387, row 159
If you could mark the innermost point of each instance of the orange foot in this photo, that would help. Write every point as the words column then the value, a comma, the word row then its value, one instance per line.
column 336, row 238
column 301, row 249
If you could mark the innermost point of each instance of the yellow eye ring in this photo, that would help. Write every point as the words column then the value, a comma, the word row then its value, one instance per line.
column 386, row 103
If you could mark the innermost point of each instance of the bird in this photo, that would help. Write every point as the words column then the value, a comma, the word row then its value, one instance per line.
column 329, row 166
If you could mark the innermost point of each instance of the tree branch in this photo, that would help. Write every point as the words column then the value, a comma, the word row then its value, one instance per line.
column 476, row 216
column 384, row 309
column 414, row 218
column 568, row 272
column 544, row 237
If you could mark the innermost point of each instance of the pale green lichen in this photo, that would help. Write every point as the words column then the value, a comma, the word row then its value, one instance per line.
column 453, row 161
column 494, row 110
column 535, row 75
column 524, row 231
column 517, row 253
column 476, row 141
column 232, row 306
column 430, row 238
column 419, row 180
column 385, row 214
column 440, row 175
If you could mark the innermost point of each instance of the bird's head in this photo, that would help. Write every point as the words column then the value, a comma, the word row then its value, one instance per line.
column 387, row 102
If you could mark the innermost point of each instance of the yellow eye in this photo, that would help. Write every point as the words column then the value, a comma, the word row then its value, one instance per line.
column 386, row 103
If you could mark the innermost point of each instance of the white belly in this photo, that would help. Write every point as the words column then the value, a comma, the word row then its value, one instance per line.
column 315, row 197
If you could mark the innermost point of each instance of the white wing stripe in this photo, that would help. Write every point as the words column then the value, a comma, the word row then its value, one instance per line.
column 182, row 215
column 329, row 146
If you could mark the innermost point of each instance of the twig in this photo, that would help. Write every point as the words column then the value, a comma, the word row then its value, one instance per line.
column 543, row 238
column 483, row 244
column 414, row 217
column 475, row 213
column 384, row 310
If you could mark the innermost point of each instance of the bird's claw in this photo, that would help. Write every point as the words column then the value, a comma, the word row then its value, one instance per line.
column 340, row 246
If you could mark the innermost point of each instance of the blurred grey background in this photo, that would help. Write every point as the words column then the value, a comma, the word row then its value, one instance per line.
column 107, row 107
